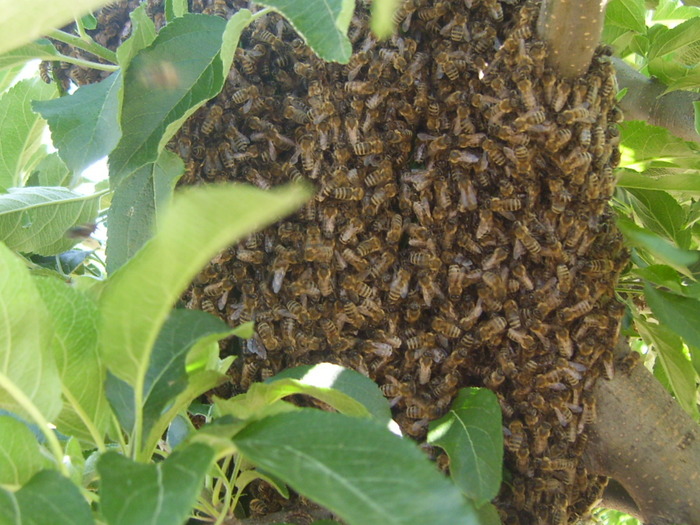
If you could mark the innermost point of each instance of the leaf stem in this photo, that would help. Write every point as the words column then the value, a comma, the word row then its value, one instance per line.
column 31, row 409
column 230, row 483
column 89, row 46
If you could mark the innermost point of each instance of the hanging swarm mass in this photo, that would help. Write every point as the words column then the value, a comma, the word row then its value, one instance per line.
column 459, row 235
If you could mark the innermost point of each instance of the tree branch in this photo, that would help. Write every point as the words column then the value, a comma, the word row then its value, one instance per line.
column 643, row 101
column 571, row 30
column 644, row 440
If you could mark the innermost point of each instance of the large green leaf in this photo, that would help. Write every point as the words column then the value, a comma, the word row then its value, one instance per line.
column 683, row 180
column 675, row 39
column 679, row 370
column 348, row 382
column 20, row 457
column 75, row 320
column 37, row 219
column 9, row 76
column 164, row 493
column 660, row 248
column 163, row 85
column 20, row 128
column 355, row 467
column 471, row 435
column 84, row 126
column 676, row 312
column 47, row 496
column 323, row 24
column 52, row 171
column 27, row 364
column 628, row 14
column 645, row 146
column 135, row 204
column 41, row 49
column 662, row 214
column 199, row 223
column 22, row 22
column 166, row 377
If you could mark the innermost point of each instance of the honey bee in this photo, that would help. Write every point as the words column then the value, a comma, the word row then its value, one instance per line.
column 306, row 147
column 373, row 146
column 522, row 233
column 560, row 95
column 446, row 328
column 521, row 275
column 267, row 335
column 505, row 205
column 300, row 68
column 425, row 260
column 212, row 119
column 357, row 262
column 491, row 328
column 558, row 139
column 350, row 231
column 496, row 283
column 347, row 193
column 540, row 441
column 528, row 96
column 297, row 115
column 608, row 364
column 369, row 246
column 382, row 195
column 485, row 223
column 628, row 362
column 395, row 229
column 512, row 314
column 495, row 379
column 577, row 310
column 524, row 340
column 250, row 369
column 515, row 436
column 423, row 341
column 382, row 265
column 425, row 364
column 324, row 280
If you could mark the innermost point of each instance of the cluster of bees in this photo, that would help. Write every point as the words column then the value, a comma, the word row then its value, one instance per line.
column 459, row 235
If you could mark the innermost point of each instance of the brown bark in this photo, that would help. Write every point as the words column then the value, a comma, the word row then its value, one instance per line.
column 643, row 101
column 646, row 442
column 571, row 29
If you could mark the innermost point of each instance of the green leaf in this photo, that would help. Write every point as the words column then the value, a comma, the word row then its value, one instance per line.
column 199, row 224
column 472, row 436
column 89, row 21
column 678, row 368
column 48, row 493
column 645, row 146
column 75, row 319
column 661, row 249
column 64, row 263
column 84, row 126
column 8, row 76
column 662, row 214
column 27, row 363
column 354, row 467
column 382, row 21
column 20, row 128
column 41, row 49
column 628, row 14
column 175, row 8
column 322, row 24
column 36, row 219
column 232, row 34
column 135, row 204
column 349, row 382
column 676, row 38
column 696, row 107
column 661, row 275
column 678, row 313
column 163, row 85
column 34, row 18
column 143, row 33
column 20, row 457
column 686, row 181
column 164, row 493
column 51, row 171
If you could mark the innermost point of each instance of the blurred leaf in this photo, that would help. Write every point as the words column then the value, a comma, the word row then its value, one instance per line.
column 354, row 467
column 686, row 181
column 164, row 493
column 472, row 436
column 41, row 49
column 75, row 319
column 661, row 275
column 135, row 205
column 89, row 21
column 20, row 457
column 20, row 127
column 9, row 75
column 48, row 493
column 347, row 381
column 84, row 126
column 36, row 219
column 695, row 358
column 382, row 21
column 646, row 146
column 200, row 223
column 175, row 8
column 33, row 18
column 673, row 10
column 661, row 249
column 323, row 24
column 678, row 313
column 662, row 214
column 51, row 171
column 679, row 371
column 64, row 263
column 629, row 14
column 143, row 32
column 696, row 107
column 164, row 84
column 26, row 360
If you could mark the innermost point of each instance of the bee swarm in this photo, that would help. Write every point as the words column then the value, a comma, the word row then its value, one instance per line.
column 459, row 235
